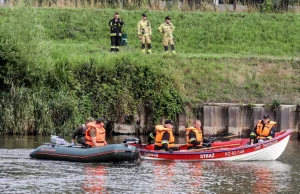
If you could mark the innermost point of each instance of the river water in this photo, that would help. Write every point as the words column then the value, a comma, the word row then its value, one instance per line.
column 20, row 174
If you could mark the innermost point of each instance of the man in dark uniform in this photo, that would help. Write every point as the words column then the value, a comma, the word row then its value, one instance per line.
column 79, row 133
column 116, row 25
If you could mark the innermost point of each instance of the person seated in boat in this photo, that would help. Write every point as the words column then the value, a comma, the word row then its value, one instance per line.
column 79, row 133
column 194, row 137
column 164, row 138
column 264, row 130
column 95, row 133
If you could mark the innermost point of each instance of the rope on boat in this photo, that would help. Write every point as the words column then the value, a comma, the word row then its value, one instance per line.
column 145, row 153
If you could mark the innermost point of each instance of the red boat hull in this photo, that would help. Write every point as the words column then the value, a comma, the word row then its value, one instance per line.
column 230, row 150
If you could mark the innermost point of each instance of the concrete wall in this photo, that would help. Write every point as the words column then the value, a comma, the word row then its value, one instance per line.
column 241, row 119
column 221, row 117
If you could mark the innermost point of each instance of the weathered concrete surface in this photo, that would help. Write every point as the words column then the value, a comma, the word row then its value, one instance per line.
column 124, row 129
column 214, row 119
column 238, row 119
column 221, row 117
column 288, row 118
column 241, row 119
column 185, row 119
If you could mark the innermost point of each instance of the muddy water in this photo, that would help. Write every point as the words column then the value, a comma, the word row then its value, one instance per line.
column 20, row 174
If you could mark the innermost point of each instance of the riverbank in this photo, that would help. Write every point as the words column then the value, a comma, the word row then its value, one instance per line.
column 57, row 68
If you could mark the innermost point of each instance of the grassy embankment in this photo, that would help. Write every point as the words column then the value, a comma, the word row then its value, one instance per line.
column 56, row 68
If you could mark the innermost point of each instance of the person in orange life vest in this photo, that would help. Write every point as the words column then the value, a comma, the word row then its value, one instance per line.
column 79, row 133
column 194, row 137
column 264, row 130
column 164, row 138
column 95, row 133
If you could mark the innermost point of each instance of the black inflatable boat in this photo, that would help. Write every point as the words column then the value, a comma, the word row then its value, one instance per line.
column 110, row 153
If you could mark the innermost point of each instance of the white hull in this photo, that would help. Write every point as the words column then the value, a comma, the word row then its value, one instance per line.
column 267, row 150
column 269, row 153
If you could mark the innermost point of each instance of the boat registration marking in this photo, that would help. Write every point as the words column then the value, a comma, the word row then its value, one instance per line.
column 234, row 153
column 257, row 147
column 152, row 155
column 48, row 149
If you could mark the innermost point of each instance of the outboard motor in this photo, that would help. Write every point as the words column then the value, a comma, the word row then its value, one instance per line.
column 133, row 141
column 58, row 140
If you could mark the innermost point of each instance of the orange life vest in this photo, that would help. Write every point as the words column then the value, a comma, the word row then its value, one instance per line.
column 100, row 134
column 264, row 132
column 199, row 136
column 160, row 130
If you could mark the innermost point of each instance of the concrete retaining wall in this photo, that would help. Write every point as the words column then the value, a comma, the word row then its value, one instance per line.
column 241, row 119
column 222, row 117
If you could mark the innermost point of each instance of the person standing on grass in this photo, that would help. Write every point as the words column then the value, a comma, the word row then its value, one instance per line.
column 167, row 30
column 116, row 25
column 144, row 34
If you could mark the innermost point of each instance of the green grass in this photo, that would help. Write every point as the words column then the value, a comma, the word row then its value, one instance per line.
column 56, row 68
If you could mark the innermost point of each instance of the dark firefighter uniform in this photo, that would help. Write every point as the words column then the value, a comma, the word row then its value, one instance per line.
column 79, row 134
column 115, row 33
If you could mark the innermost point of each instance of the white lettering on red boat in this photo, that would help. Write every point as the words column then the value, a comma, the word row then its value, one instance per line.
column 152, row 155
column 257, row 147
column 234, row 153
column 269, row 144
column 203, row 156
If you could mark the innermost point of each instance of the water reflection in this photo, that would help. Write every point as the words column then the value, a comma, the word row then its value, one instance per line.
column 216, row 177
column 94, row 179
column 254, row 177
column 163, row 176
